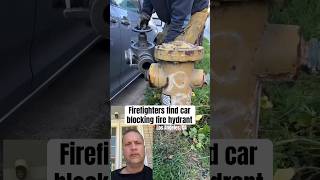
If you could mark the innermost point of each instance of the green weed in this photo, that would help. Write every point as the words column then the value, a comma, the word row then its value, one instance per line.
column 184, row 156
column 305, row 13
column 173, row 158
column 293, row 122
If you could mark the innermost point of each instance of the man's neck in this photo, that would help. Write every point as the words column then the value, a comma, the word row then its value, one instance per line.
column 133, row 169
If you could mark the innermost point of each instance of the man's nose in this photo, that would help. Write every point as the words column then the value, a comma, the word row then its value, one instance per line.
column 133, row 146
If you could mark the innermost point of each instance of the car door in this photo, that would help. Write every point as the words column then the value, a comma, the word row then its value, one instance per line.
column 126, row 73
column 57, row 39
column 118, row 66
column 128, row 21
column 125, row 14
column 115, row 49
column 17, row 22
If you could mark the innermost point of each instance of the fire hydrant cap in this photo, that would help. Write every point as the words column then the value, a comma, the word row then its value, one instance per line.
column 157, row 78
column 178, row 51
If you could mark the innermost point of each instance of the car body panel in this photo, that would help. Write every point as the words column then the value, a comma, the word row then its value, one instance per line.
column 38, row 42
column 124, row 11
column 17, row 21
column 57, row 39
column 115, row 49
column 127, row 36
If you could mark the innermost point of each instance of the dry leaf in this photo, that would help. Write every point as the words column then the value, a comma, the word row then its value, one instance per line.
column 198, row 117
column 284, row 174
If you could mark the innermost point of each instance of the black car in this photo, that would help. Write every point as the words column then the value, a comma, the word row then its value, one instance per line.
column 39, row 39
column 124, row 16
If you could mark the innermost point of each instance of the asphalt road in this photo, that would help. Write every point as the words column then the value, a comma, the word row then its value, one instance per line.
column 73, row 106
column 132, row 95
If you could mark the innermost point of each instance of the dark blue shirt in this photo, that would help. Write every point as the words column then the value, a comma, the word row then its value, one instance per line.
column 145, row 174
column 174, row 13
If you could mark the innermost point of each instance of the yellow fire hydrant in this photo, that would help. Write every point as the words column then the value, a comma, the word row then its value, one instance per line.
column 175, row 72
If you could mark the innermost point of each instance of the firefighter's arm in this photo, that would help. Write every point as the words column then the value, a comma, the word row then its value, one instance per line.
column 147, row 7
column 180, row 10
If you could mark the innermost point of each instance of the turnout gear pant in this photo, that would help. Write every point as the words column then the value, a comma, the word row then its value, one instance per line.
column 193, row 32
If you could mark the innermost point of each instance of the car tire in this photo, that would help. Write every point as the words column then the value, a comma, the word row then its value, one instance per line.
column 99, row 17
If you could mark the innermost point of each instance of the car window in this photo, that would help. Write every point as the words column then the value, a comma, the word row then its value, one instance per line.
column 113, row 2
column 131, row 5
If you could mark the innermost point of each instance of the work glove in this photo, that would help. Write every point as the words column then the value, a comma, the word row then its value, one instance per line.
column 160, row 38
column 143, row 21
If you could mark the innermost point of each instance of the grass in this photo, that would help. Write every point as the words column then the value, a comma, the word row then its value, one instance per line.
column 202, row 95
column 290, row 112
column 176, row 156
column 305, row 13
column 293, row 122
column 173, row 158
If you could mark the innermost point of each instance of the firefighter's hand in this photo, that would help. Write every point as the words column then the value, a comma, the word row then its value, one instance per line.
column 160, row 38
column 143, row 21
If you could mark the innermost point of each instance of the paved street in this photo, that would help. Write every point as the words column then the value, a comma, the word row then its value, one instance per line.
column 132, row 95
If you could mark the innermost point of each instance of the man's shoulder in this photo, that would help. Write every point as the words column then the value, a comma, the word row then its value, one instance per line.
column 148, row 172
column 115, row 172
column 148, row 169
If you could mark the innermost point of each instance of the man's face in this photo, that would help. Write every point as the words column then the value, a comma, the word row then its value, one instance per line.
column 133, row 149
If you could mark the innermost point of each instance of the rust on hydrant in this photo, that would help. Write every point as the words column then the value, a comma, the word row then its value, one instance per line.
column 175, row 72
column 247, row 53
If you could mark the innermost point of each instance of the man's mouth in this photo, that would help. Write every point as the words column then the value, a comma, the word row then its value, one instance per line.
column 135, row 155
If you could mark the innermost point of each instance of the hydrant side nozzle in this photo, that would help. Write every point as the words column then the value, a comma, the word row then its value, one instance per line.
column 197, row 79
column 157, row 77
